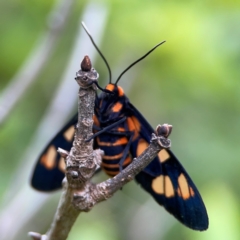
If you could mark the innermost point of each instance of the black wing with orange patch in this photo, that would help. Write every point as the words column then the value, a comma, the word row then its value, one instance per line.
column 168, row 182
column 49, row 170
column 175, row 190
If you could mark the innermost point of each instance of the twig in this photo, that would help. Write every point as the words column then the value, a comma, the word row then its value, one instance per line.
column 79, row 193
column 15, row 193
column 95, row 193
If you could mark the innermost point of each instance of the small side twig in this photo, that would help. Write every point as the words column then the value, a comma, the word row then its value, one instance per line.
column 79, row 194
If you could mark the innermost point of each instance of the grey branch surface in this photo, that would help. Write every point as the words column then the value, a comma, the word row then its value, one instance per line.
column 57, row 112
column 79, row 194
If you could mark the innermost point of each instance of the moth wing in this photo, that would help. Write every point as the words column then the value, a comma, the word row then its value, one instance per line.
column 50, row 168
column 168, row 182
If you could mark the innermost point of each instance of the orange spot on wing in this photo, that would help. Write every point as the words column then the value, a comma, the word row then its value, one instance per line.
column 142, row 145
column 117, row 107
column 192, row 192
column 120, row 141
column 127, row 161
column 183, row 187
column 131, row 125
column 163, row 185
column 48, row 160
column 158, row 185
column 137, row 124
column 163, row 155
column 69, row 133
column 134, row 126
column 169, row 190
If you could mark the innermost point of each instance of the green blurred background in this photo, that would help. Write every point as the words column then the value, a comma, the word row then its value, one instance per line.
column 191, row 82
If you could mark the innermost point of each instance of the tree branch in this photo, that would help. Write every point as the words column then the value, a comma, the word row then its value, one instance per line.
column 79, row 194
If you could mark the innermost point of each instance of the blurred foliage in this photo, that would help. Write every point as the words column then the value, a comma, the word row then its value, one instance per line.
column 191, row 82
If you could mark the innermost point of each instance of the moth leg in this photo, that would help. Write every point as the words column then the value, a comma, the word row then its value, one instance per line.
column 106, row 129
column 125, row 151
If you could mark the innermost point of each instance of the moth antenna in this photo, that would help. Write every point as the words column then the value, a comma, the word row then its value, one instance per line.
column 98, row 50
column 138, row 60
